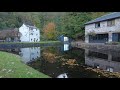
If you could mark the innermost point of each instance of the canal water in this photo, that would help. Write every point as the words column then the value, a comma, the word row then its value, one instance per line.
column 64, row 61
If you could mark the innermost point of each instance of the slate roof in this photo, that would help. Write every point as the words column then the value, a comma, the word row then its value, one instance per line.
column 30, row 25
column 105, row 17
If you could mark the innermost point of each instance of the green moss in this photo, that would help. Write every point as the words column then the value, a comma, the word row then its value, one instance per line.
column 12, row 67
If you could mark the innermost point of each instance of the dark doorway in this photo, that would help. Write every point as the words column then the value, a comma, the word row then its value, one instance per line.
column 116, row 37
column 34, row 39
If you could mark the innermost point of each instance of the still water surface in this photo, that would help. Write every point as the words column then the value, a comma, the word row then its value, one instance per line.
column 64, row 61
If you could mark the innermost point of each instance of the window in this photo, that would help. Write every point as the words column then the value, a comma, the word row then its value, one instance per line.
column 31, row 39
column 30, row 28
column 65, row 38
column 97, row 25
column 111, row 22
column 34, row 39
column 31, row 34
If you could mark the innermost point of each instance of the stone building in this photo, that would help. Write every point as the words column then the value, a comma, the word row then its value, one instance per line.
column 103, row 29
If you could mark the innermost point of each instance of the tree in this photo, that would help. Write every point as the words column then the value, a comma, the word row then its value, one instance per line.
column 70, row 24
column 73, row 24
column 50, row 31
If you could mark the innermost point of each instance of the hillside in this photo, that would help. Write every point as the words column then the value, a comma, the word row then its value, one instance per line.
column 67, row 23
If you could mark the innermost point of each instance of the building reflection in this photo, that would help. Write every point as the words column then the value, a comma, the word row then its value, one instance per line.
column 29, row 54
column 11, row 50
column 65, row 47
column 64, row 75
column 108, row 62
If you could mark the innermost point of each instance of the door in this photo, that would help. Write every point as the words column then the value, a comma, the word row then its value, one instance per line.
column 34, row 39
column 115, row 37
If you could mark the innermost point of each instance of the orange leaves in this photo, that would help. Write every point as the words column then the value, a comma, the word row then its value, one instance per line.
column 51, row 58
column 49, row 31
column 71, row 62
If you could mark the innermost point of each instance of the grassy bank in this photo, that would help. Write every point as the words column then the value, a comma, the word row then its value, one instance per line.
column 12, row 67
column 41, row 42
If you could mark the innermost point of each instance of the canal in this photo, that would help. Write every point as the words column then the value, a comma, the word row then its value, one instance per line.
column 64, row 61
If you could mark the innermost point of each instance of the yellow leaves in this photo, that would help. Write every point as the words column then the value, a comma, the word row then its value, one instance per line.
column 50, row 57
column 49, row 30
column 71, row 62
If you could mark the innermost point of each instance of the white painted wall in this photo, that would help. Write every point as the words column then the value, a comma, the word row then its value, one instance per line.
column 27, row 36
column 25, row 33
column 66, row 39
column 36, row 35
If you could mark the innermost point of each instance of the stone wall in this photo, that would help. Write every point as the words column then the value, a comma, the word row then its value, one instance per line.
column 99, row 47
column 102, row 29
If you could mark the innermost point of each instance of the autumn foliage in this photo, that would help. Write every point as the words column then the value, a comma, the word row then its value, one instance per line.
column 49, row 31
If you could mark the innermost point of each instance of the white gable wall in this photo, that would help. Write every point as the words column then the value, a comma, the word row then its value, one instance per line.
column 25, row 33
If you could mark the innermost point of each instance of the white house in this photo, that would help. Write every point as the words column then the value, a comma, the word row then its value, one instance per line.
column 103, row 29
column 29, row 33
column 25, row 33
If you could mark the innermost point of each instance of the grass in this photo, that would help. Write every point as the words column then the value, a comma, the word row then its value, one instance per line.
column 11, row 66
column 41, row 42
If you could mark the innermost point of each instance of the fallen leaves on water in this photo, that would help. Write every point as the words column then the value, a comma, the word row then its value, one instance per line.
column 105, row 73
column 71, row 62
column 51, row 58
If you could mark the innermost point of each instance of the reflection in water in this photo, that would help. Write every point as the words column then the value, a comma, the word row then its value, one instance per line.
column 66, row 47
column 52, row 60
column 64, row 75
column 29, row 54
column 67, row 62
column 102, row 61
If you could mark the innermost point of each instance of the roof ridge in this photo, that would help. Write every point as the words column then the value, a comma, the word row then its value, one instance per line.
column 102, row 17
column 106, row 14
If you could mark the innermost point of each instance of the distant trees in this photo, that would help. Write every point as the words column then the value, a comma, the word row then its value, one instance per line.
column 73, row 23
column 51, row 24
